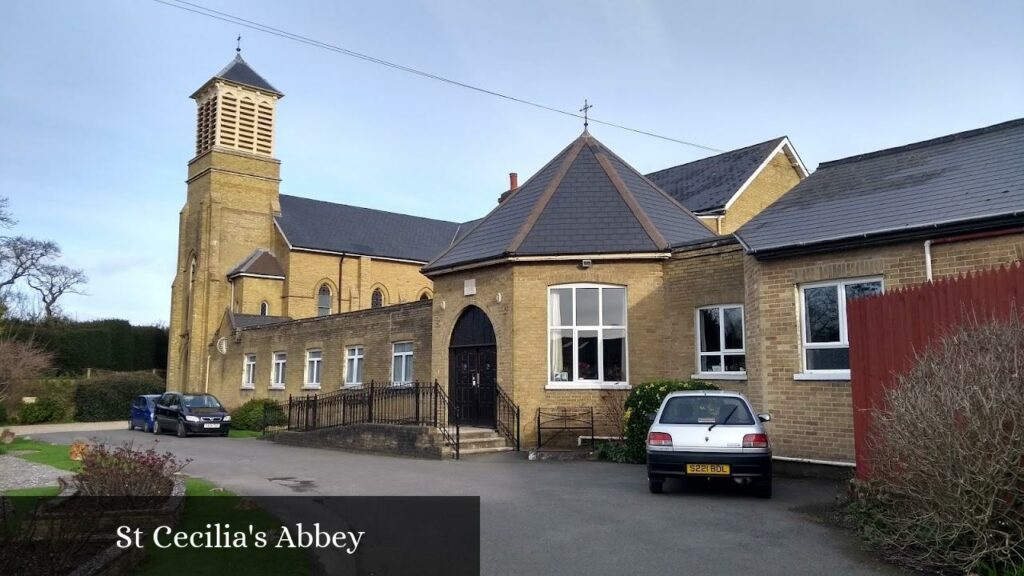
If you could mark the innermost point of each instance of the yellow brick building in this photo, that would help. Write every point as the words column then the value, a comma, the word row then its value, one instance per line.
column 585, row 280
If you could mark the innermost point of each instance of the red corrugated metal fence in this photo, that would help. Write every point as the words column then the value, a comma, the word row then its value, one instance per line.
column 887, row 331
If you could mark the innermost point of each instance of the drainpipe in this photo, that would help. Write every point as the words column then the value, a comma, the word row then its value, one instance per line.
column 206, row 380
column 928, row 260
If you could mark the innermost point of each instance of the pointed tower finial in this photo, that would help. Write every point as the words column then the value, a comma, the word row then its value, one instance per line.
column 238, row 46
column 586, row 113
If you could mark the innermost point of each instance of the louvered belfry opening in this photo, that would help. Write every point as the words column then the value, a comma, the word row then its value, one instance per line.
column 236, row 110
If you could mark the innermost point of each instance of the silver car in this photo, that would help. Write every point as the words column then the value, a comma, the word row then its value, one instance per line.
column 709, row 434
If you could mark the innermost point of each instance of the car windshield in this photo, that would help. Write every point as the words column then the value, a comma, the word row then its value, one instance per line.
column 200, row 401
column 721, row 410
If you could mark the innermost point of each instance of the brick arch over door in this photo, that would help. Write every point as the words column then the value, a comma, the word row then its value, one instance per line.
column 473, row 368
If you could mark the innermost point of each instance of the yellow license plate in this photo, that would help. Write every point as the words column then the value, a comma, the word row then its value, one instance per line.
column 708, row 469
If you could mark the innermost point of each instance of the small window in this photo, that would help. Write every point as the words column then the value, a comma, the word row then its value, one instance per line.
column 280, row 369
column 249, row 371
column 377, row 299
column 354, row 366
column 425, row 296
column 826, row 343
column 323, row 301
column 720, row 340
column 401, row 365
column 264, row 308
column 313, row 361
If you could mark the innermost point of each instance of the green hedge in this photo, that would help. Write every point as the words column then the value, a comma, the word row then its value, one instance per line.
column 643, row 400
column 104, row 344
column 249, row 416
column 109, row 397
column 41, row 411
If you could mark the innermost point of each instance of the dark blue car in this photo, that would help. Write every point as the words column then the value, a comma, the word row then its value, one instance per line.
column 142, row 412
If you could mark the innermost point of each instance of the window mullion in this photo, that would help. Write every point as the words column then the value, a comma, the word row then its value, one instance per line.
column 721, row 337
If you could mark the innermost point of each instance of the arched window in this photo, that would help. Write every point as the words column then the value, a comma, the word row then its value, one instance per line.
column 377, row 299
column 264, row 308
column 323, row 300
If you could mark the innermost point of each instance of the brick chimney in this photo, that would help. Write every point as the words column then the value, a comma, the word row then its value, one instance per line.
column 513, row 183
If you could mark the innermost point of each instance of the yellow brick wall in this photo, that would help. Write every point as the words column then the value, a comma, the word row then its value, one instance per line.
column 814, row 419
column 694, row 279
column 251, row 292
column 358, row 277
column 231, row 199
column 375, row 330
column 777, row 178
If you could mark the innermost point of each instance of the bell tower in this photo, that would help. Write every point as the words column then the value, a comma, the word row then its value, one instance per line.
column 229, row 211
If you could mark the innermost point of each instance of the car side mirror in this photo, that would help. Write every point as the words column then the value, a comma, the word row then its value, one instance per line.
column 764, row 417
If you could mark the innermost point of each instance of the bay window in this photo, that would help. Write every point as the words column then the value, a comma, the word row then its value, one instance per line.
column 587, row 336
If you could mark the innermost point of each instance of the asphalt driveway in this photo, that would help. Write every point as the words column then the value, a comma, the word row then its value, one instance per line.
column 552, row 517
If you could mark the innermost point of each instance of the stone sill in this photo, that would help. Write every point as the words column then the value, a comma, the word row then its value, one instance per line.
column 247, row 387
column 310, row 388
column 594, row 386
column 276, row 387
column 843, row 375
column 719, row 376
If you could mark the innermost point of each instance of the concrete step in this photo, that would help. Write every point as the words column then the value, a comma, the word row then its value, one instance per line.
column 493, row 450
column 482, row 442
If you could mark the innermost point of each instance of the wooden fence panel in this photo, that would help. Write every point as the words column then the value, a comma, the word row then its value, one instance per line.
column 888, row 331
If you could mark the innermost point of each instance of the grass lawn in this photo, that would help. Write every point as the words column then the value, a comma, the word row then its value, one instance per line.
column 212, row 505
column 55, row 455
column 244, row 434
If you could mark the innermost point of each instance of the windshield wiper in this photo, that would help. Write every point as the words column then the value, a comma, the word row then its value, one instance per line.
column 724, row 420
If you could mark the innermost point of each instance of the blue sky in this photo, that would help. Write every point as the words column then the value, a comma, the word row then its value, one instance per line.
column 97, row 125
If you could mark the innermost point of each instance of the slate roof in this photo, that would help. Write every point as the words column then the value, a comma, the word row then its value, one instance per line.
column 330, row 227
column 586, row 200
column 706, row 185
column 244, row 321
column 970, row 177
column 260, row 262
column 239, row 72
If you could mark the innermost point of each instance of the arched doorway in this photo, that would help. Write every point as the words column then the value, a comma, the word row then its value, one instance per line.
column 473, row 368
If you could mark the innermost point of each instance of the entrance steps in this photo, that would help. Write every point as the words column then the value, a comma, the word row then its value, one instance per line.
column 480, row 441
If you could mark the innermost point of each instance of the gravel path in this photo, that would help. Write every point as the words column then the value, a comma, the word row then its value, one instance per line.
column 18, row 473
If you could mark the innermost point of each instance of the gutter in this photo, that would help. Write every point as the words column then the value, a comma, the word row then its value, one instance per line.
column 961, row 238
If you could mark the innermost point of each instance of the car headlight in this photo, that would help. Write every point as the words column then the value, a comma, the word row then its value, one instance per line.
column 192, row 418
column 227, row 419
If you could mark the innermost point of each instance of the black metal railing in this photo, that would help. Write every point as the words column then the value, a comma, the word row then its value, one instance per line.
column 560, row 421
column 399, row 403
column 506, row 420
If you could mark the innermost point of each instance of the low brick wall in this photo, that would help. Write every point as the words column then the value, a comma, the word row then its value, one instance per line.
column 411, row 441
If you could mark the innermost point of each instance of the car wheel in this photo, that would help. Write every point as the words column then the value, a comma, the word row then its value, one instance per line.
column 765, row 490
column 656, row 486
column 182, row 433
column 156, row 427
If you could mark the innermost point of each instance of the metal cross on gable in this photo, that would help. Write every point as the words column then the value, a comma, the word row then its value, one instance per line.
column 238, row 46
column 586, row 115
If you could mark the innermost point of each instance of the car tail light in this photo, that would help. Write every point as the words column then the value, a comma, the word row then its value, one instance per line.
column 755, row 441
column 659, row 439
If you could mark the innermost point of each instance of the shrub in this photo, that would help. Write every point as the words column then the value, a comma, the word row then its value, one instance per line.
column 250, row 416
column 126, row 471
column 109, row 397
column 41, row 411
column 645, row 399
column 947, row 457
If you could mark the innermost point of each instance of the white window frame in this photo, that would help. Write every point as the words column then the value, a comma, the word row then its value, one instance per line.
column 844, row 340
column 280, row 359
column 307, row 384
column 249, row 371
column 600, row 383
column 264, row 308
column 320, row 310
column 395, row 354
column 722, row 374
column 354, row 360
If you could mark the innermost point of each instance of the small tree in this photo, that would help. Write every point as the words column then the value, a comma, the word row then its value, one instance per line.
column 947, row 456
column 52, row 281
column 21, row 362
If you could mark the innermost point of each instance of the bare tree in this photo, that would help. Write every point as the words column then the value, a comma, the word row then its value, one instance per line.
column 6, row 219
column 52, row 281
column 20, row 256
column 21, row 361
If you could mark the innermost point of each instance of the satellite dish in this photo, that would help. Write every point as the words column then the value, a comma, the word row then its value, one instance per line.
column 222, row 345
